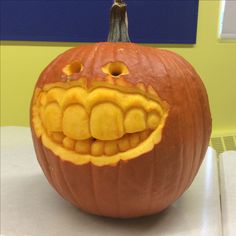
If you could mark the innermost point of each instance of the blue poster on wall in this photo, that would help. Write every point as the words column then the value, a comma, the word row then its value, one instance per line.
column 150, row 21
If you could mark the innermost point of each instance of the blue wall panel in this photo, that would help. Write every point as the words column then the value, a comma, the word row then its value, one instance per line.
column 150, row 21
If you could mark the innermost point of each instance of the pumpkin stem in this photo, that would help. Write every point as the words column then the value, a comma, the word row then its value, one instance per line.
column 118, row 23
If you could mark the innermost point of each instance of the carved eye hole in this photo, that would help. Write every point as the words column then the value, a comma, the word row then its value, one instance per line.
column 73, row 67
column 115, row 69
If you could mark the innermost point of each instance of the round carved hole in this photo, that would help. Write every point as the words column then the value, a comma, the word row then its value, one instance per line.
column 72, row 68
column 115, row 69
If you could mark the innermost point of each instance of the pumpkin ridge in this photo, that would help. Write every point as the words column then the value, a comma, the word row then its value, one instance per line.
column 118, row 211
column 42, row 157
column 177, row 188
column 69, row 190
column 149, row 201
column 194, row 134
column 94, row 189
column 201, row 114
column 184, row 136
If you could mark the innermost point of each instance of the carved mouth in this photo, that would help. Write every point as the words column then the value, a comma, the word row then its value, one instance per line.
column 103, row 122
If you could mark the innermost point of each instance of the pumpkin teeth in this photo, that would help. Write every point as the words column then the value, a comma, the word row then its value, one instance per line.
column 102, row 122
column 97, row 147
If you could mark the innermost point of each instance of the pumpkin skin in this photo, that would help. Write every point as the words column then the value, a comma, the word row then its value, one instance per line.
column 143, row 184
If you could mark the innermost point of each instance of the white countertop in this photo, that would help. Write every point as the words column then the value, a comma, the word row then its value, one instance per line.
column 228, row 191
column 30, row 207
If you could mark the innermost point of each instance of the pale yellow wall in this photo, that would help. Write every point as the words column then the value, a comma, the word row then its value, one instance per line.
column 215, row 61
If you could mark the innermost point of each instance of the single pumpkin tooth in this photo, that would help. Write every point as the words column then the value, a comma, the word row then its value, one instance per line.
column 68, row 143
column 143, row 135
column 83, row 146
column 135, row 120
column 123, row 143
column 110, row 148
column 55, row 94
column 97, row 148
column 52, row 117
column 106, row 122
column 74, row 95
column 75, row 123
column 134, row 140
column 58, row 136
column 153, row 120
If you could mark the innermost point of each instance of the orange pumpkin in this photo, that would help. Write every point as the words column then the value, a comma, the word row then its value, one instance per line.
column 120, row 129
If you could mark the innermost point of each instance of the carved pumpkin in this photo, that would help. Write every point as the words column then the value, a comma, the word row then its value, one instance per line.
column 120, row 129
